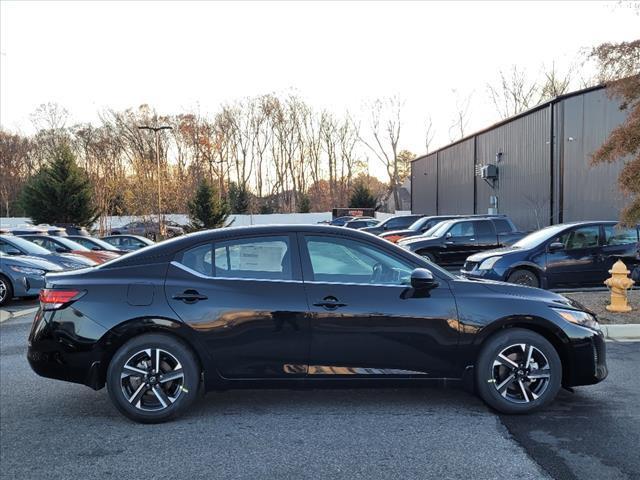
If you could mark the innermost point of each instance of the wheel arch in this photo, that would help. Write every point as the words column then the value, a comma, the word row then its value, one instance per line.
column 545, row 328
column 530, row 266
column 125, row 331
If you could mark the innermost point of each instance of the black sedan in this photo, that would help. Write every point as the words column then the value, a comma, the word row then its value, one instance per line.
column 567, row 255
column 399, row 222
column 291, row 305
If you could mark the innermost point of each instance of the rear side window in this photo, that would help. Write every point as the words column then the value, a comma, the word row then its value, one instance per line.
column 199, row 259
column 483, row 228
column 266, row 258
column 502, row 226
column 620, row 236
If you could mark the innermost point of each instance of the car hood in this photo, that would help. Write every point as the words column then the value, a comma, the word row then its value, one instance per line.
column 528, row 293
column 400, row 232
column 33, row 262
column 421, row 241
column 478, row 257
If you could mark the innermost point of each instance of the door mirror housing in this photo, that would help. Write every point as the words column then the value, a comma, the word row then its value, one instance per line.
column 422, row 279
column 61, row 250
column 555, row 246
column 448, row 235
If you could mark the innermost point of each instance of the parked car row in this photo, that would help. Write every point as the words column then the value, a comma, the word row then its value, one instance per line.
column 27, row 257
column 578, row 254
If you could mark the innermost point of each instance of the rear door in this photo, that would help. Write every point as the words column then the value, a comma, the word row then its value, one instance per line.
column 619, row 244
column 245, row 298
column 486, row 237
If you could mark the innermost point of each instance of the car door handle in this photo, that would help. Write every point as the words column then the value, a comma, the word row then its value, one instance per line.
column 329, row 303
column 190, row 296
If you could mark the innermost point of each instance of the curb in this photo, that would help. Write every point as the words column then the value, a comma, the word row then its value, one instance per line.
column 4, row 315
column 627, row 331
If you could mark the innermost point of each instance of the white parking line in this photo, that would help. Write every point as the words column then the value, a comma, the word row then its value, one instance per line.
column 6, row 315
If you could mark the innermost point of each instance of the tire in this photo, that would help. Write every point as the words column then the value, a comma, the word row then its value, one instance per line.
column 6, row 290
column 508, row 388
column 428, row 256
column 131, row 394
column 524, row 277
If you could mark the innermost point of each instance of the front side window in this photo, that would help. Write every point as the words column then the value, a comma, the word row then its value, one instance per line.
column 620, row 236
column 584, row 237
column 462, row 229
column 258, row 257
column 9, row 249
column 340, row 260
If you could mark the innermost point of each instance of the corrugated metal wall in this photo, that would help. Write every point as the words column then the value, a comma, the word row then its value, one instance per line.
column 424, row 185
column 524, row 171
column 455, row 178
column 589, row 192
column 531, row 178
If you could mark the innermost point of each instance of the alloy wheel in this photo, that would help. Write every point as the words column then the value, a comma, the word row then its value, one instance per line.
column 152, row 379
column 3, row 290
column 521, row 373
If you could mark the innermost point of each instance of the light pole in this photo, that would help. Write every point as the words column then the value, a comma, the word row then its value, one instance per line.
column 156, row 131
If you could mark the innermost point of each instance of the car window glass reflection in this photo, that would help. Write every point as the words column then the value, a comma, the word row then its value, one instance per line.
column 584, row 237
column 263, row 258
column 620, row 236
column 345, row 261
column 199, row 259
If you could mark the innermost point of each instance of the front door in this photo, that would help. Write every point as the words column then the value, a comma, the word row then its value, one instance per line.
column 362, row 321
column 459, row 242
column 268, row 337
column 577, row 264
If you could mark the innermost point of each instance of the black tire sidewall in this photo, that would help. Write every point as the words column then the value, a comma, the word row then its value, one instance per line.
column 484, row 370
column 178, row 349
column 520, row 272
column 9, row 287
column 429, row 257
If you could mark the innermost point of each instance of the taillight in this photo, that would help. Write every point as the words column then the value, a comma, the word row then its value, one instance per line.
column 54, row 299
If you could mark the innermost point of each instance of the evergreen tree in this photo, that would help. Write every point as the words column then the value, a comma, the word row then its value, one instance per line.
column 240, row 198
column 304, row 205
column 206, row 210
column 362, row 197
column 60, row 192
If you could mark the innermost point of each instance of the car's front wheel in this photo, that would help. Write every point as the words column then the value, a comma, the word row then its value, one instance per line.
column 524, row 277
column 518, row 371
column 153, row 377
column 6, row 290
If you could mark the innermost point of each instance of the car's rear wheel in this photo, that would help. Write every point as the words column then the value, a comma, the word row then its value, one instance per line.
column 524, row 277
column 518, row 371
column 153, row 377
column 6, row 290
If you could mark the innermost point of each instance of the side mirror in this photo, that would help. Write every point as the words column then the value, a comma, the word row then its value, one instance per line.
column 555, row 246
column 61, row 250
column 14, row 253
column 422, row 279
column 95, row 248
column 448, row 235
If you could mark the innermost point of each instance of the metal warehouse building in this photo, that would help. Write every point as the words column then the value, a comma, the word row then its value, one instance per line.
column 534, row 167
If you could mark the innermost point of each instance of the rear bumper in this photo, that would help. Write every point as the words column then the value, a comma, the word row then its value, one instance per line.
column 64, row 345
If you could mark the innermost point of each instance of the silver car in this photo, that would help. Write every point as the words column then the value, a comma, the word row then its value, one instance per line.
column 22, row 276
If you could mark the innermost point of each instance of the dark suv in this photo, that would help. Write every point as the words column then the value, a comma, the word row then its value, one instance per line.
column 566, row 255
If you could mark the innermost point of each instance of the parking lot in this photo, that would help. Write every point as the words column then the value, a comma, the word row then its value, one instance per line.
column 363, row 433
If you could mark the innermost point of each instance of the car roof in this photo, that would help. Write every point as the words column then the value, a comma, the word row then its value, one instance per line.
column 166, row 250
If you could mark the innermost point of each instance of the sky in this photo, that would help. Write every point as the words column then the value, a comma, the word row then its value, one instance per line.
column 179, row 56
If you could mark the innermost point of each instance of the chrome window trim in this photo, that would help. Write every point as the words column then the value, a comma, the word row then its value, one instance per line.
column 209, row 277
column 351, row 284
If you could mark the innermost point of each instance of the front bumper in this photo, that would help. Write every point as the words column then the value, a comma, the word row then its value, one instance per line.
column 64, row 344
column 492, row 274
column 587, row 360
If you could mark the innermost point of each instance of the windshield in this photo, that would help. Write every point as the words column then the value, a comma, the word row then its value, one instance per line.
column 27, row 246
column 71, row 244
column 536, row 238
column 418, row 224
column 87, row 242
column 438, row 230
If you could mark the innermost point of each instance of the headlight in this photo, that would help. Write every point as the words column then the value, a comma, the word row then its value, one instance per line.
column 488, row 263
column 27, row 270
column 578, row 317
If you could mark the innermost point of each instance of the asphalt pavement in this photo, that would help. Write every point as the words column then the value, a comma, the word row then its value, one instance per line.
column 56, row 430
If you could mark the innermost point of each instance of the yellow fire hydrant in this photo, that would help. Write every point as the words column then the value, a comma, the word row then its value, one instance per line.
column 619, row 283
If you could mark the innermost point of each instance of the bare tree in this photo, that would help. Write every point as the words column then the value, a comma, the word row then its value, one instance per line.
column 554, row 82
column 458, row 126
column 513, row 93
column 385, row 126
column 429, row 134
